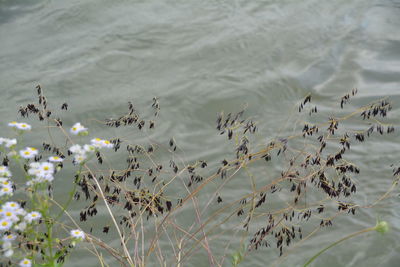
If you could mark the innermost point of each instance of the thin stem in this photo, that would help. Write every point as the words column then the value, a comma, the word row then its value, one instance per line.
column 71, row 194
column 337, row 242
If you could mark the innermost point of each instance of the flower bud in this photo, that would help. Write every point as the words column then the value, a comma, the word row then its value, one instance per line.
column 382, row 227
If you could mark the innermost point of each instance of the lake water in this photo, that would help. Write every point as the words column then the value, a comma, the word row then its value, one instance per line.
column 202, row 57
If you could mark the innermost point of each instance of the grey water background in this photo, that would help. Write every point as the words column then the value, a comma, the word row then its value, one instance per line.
column 202, row 57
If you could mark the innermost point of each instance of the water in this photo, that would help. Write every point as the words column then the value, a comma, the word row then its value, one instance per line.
column 201, row 57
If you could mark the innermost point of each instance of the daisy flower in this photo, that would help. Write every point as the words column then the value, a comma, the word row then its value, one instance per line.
column 5, row 224
column 10, row 142
column 34, row 168
column 10, row 205
column 20, row 211
column 89, row 148
column 23, row 126
column 95, row 141
column 6, row 245
column 76, row 149
column 4, row 172
column 9, row 215
column 55, row 159
column 77, row 234
column 20, row 227
column 40, row 178
column 12, row 124
column 5, row 182
column 6, row 190
column 79, row 158
column 46, row 168
column 33, row 216
column 78, row 128
column 100, row 143
column 28, row 152
column 8, row 253
column 25, row 263
column 9, row 238
column 107, row 144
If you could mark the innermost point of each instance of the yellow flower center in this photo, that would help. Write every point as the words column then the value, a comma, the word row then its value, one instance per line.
column 13, row 205
column 97, row 139
column 56, row 158
column 46, row 168
column 8, row 214
column 27, row 153
column 23, row 125
column 33, row 149
column 34, row 215
column 26, row 262
column 107, row 142
column 4, row 223
column 6, row 189
column 74, row 128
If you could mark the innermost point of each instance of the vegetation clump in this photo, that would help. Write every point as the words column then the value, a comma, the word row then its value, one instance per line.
column 151, row 188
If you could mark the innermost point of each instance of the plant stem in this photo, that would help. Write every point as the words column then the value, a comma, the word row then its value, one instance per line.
column 337, row 242
column 71, row 194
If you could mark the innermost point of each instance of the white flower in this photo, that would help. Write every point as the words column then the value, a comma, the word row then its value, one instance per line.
column 34, row 168
column 23, row 126
column 77, row 128
column 47, row 178
column 78, row 234
column 20, row 125
column 89, row 148
column 79, row 158
column 5, row 182
column 10, row 205
column 6, row 245
column 100, row 143
column 8, row 253
column 76, row 149
column 11, row 154
column 8, row 142
column 46, row 168
column 20, row 211
column 55, row 159
column 96, row 142
column 33, row 216
column 9, row 215
column 9, row 238
column 28, row 152
column 6, row 190
column 12, row 124
column 25, row 263
column 20, row 227
column 5, row 224
column 4, row 172
column 7, row 248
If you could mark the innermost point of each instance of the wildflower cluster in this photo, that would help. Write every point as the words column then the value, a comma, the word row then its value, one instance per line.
column 5, row 183
column 81, row 153
column 24, row 221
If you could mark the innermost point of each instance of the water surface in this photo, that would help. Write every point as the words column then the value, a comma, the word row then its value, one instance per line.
column 201, row 57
